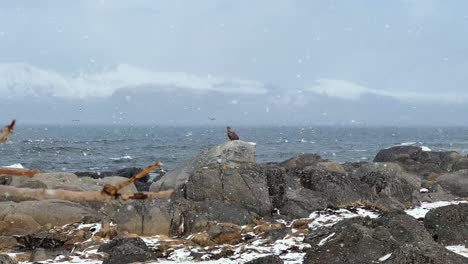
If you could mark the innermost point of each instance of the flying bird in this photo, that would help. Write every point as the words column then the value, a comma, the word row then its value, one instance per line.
column 6, row 132
column 231, row 134
column 211, row 118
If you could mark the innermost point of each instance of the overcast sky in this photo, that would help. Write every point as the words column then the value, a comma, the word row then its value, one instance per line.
column 285, row 55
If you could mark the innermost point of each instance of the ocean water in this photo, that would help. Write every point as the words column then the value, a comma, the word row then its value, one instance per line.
column 100, row 148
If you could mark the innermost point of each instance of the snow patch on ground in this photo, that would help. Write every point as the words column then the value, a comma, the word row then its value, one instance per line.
column 460, row 250
column 291, row 248
column 421, row 211
column 96, row 227
column 331, row 217
column 384, row 258
column 323, row 241
column 424, row 190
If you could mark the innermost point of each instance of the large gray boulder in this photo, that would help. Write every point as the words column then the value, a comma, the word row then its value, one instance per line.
column 388, row 239
column 191, row 216
column 229, row 154
column 448, row 225
column 142, row 217
column 30, row 214
column 245, row 185
column 383, row 185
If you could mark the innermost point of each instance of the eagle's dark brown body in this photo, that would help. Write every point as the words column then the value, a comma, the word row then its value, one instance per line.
column 231, row 134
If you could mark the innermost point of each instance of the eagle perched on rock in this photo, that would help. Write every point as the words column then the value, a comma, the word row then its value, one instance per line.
column 231, row 134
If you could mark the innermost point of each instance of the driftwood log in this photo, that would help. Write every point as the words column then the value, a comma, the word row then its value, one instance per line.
column 108, row 192
column 27, row 194
column 18, row 172
column 113, row 191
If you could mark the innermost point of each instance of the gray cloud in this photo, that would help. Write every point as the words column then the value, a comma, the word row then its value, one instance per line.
column 288, row 55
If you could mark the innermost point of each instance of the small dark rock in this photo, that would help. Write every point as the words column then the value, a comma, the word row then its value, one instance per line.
column 126, row 250
column 136, row 241
column 39, row 254
column 5, row 180
column 270, row 259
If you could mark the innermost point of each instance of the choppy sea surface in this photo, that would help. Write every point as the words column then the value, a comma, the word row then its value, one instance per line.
column 99, row 148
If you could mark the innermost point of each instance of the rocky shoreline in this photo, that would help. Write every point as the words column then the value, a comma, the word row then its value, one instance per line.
column 407, row 206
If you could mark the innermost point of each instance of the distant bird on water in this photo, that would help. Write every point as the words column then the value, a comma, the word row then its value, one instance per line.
column 231, row 134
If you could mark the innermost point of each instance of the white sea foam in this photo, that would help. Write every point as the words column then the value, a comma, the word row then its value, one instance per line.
column 126, row 157
column 14, row 166
column 424, row 148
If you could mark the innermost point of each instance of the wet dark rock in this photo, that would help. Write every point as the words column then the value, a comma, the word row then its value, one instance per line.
column 397, row 154
column 448, row 225
column 365, row 240
column 423, row 163
column 270, row 259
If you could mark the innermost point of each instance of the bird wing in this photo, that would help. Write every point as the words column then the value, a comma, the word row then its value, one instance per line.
column 6, row 132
